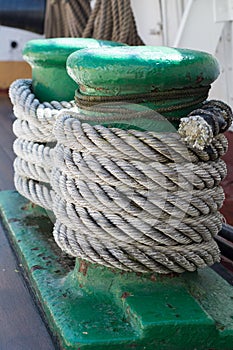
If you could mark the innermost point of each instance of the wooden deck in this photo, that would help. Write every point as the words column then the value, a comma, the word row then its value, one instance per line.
column 21, row 326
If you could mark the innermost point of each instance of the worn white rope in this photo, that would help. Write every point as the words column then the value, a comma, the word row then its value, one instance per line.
column 22, row 96
column 165, row 229
column 35, row 120
column 122, row 144
column 31, row 151
column 34, row 171
column 159, row 259
column 137, row 201
column 37, row 192
column 35, row 142
column 34, row 162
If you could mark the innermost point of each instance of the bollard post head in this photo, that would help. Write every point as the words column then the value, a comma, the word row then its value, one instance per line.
column 175, row 76
column 47, row 58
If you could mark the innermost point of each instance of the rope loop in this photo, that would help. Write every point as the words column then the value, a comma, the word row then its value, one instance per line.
column 134, row 200
column 34, row 146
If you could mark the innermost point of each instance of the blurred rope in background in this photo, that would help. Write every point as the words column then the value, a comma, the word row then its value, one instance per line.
column 108, row 20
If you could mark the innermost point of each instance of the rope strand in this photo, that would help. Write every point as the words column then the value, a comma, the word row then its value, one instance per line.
column 134, row 200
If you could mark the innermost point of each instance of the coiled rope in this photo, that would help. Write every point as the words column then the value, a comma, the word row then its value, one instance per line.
column 35, row 142
column 108, row 104
column 135, row 200
column 138, row 201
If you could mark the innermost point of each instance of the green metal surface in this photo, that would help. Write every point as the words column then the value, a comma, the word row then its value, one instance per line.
column 149, row 119
column 94, row 308
column 47, row 58
column 119, row 71
column 140, row 69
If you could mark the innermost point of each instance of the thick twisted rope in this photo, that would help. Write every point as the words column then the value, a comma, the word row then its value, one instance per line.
column 201, row 125
column 109, row 20
column 135, row 200
column 113, row 20
column 37, row 192
column 66, row 18
column 199, row 176
column 35, row 142
column 32, row 170
column 28, row 108
column 129, row 258
column 122, row 144
column 138, row 201
column 145, row 213
column 31, row 151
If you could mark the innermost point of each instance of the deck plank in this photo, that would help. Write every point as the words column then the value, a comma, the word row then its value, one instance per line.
column 21, row 326
column 6, row 134
column 6, row 171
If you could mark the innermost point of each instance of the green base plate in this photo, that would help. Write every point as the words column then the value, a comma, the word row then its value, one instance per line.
column 94, row 308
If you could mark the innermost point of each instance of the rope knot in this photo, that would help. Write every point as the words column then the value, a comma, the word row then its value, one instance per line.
column 129, row 199
column 202, row 125
column 196, row 132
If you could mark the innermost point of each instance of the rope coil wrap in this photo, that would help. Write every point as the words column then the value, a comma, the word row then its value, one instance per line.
column 191, row 97
column 137, row 201
column 133, row 200
column 35, row 142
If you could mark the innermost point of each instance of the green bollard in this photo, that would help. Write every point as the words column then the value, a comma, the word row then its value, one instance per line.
column 47, row 58
column 89, row 306
column 35, row 118
column 95, row 308
column 169, row 81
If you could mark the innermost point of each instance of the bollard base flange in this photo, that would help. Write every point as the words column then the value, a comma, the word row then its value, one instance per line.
column 91, row 307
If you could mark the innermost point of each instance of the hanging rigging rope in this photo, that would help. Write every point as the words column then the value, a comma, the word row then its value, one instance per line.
column 113, row 20
column 109, row 20
column 66, row 18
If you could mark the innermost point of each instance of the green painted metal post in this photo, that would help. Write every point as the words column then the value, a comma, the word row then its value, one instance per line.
column 47, row 58
column 179, row 78
column 91, row 307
